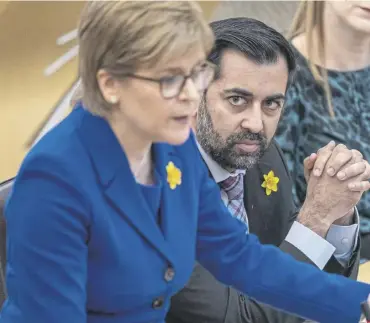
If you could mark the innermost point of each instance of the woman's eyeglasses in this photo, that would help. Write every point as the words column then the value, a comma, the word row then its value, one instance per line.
column 171, row 86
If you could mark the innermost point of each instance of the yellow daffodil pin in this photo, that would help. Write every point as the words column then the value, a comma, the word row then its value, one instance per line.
column 173, row 175
column 270, row 182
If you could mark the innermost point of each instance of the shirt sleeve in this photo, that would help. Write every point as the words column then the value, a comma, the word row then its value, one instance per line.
column 344, row 239
column 317, row 249
column 340, row 241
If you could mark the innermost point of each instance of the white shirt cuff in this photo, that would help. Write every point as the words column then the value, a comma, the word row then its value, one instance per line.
column 344, row 239
column 317, row 249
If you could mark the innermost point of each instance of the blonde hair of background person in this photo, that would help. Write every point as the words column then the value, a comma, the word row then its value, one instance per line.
column 312, row 21
column 309, row 19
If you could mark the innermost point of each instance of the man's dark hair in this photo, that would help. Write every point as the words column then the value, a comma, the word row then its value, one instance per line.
column 259, row 42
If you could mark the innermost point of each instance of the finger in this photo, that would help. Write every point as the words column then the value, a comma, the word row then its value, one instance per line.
column 329, row 146
column 309, row 161
column 339, row 158
column 366, row 174
column 359, row 186
column 356, row 156
column 308, row 164
column 353, row 171
column 323, row 155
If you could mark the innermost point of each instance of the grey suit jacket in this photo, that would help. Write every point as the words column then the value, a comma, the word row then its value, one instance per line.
column 205, row 300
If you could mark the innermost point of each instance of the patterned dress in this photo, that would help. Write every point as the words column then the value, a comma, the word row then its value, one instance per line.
column 307, row 126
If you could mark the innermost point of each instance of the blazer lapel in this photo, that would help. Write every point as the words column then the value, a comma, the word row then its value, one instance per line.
column 119, row 185
column 171, row 198
column 125, row 196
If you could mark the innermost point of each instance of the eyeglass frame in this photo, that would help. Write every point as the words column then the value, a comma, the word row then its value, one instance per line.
column 161, row 80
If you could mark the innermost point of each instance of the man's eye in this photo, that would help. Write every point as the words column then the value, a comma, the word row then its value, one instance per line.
column 272, row 105
column 236, row 100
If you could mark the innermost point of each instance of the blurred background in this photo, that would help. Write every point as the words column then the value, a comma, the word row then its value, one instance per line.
column 39, row 68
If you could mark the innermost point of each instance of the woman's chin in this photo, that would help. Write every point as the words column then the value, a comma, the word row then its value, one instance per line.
column 178, row 137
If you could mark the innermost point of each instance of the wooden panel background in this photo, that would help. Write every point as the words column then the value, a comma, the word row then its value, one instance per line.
column 28, row 34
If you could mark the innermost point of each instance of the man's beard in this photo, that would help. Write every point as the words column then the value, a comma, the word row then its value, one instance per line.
column 224, row 152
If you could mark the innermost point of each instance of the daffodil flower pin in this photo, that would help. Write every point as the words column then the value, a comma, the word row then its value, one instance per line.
column 270, row 182
column 173, row 175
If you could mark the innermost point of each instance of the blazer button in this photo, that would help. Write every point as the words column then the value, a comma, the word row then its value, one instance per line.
column 158, row 303
column 169, row 274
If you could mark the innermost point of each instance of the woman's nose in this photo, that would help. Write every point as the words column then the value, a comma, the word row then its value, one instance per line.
column 189, row 91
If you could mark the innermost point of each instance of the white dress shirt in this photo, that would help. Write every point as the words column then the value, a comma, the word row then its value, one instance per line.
column 340, row 241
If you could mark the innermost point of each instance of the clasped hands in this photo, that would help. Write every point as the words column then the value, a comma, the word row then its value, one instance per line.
column 336, row 179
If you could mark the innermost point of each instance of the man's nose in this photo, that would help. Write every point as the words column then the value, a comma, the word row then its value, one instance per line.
column 253, row 119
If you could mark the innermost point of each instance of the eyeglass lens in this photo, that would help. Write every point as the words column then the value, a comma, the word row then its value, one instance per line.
column 201, row 77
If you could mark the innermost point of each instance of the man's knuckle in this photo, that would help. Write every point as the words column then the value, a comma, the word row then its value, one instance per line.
column 356, row 155
column 367, row 170
column 356, row 152
column 344, row 155
column 361, row 166
column 320, row 150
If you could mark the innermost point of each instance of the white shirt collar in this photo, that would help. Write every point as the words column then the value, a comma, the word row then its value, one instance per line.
column 219, row 174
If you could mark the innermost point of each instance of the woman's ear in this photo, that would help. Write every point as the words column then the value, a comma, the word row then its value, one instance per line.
column 109, row 87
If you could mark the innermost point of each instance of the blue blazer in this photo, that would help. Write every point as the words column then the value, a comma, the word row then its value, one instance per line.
column 84, row 247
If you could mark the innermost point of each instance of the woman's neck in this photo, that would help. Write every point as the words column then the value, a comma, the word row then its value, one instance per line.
column 137, row 150
column 345, row 48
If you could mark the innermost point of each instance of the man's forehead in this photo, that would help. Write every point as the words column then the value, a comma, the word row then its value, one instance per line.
column 237, row 71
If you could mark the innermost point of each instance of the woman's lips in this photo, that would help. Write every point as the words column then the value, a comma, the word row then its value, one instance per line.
column 182, row 120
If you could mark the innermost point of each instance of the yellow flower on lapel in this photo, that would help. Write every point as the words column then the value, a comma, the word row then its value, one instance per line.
column 270, row 182
column 173, row 175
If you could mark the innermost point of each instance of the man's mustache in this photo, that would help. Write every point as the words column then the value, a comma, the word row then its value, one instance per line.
column 234, row 138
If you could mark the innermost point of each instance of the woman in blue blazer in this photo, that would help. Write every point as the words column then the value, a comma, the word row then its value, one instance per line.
column 111, row 208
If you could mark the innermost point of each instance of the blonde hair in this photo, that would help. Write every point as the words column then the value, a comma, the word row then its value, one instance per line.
column 309, row 20
column 121, row 36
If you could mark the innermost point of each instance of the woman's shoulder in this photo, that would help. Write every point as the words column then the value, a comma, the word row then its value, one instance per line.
column 303, row 83
column 58, row 151
column 303, row 73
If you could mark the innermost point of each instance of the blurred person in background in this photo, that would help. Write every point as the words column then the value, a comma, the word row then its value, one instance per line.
column 330, row 96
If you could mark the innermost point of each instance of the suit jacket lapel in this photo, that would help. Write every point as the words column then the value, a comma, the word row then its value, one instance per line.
column 119, row 185
column 261, row 208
